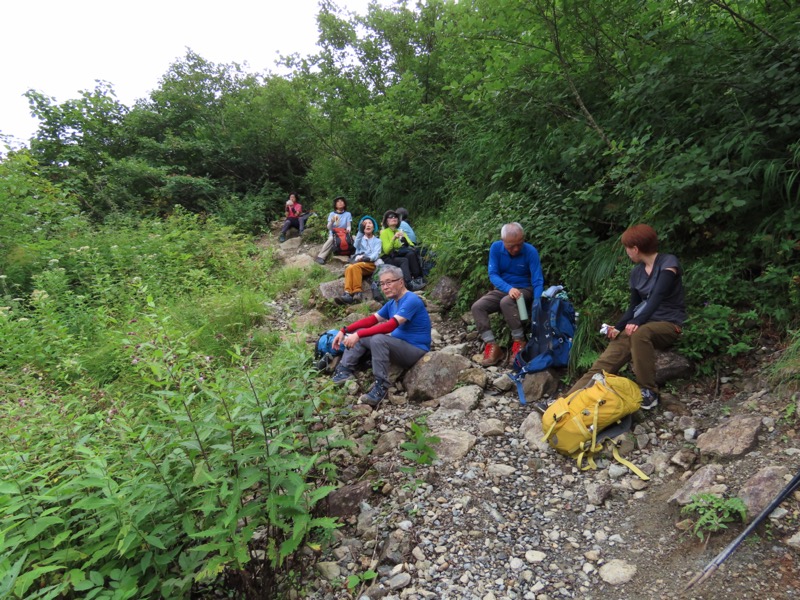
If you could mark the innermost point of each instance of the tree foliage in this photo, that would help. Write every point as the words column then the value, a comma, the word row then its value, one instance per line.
column 584, row 116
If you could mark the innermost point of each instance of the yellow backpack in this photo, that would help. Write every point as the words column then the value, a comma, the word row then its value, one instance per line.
column 573, row 423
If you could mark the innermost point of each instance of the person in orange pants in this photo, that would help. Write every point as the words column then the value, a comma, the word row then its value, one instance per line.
column 364, row 262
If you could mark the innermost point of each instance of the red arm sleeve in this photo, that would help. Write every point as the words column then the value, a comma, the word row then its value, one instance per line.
column 385, row 327
column 360, row 324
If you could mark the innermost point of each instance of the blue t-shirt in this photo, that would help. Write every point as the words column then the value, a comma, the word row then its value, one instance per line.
column 416, row 330
column 521, row 271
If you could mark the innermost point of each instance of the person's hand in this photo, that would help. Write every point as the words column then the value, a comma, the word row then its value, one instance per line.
column 398, row 235
column 350, row 340
column 514, row 293
column 337, row 340
column 612, row 333
column 630, row 328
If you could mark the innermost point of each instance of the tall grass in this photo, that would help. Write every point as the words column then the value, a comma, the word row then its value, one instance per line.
column 144, row 451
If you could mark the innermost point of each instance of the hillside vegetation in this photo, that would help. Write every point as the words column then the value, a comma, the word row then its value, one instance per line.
column 153, row 420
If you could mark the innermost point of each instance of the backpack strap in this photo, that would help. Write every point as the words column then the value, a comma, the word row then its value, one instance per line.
column 590, row 453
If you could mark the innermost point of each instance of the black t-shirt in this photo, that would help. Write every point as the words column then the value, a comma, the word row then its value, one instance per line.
column 673, row 306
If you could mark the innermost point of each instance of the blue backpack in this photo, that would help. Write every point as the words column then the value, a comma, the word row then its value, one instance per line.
column 552, row 330
column 324, row 352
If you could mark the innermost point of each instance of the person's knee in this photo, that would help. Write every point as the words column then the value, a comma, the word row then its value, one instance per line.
column 478, row 306
column 379, row 342
column 508, row 303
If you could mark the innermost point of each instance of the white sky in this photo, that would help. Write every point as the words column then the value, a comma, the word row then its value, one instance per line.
column 60, row 48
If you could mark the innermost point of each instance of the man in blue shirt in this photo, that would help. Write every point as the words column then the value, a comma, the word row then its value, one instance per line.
column 515, row 271
column 399, row 333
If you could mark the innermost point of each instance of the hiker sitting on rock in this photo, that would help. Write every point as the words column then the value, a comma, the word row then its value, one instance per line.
column 405, row 225
column 654, row 318
column 294, row 216
column 398, row 250
column 338, row 218
column 364, row 261
column 399, row 333
column 515, row 271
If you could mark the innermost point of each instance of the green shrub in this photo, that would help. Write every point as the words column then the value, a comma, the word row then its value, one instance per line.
column 212, row 466
column 713, row 513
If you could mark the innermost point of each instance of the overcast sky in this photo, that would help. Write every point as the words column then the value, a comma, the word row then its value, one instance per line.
column 60, row 48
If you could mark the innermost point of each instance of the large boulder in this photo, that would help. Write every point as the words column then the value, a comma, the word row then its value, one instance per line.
column 538, row 385
column 671, row 365
column 444, row 292
column 345, row 501
column 434, row 375
column 762, row 488
column 464, row 398
column 333, row 289
column 704, row 481
column 300, row 261
column 531, row 430
column 733, row 438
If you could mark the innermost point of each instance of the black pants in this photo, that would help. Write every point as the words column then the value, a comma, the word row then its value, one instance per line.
column 408, row 261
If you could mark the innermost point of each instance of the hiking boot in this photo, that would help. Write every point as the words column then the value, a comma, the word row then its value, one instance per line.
column 320, row 261
column 375, row 394
column 342, row 374
column 282, row 238
column 649, row 399
column 346, row 298
column 416, row 284
column 492, row 354
column 358, row 297
column 515, row 348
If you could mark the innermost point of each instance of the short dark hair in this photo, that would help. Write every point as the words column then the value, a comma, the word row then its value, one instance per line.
column 343, row 199
column 642, row 236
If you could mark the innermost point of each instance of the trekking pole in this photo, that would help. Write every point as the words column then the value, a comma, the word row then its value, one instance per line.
column 723, row 556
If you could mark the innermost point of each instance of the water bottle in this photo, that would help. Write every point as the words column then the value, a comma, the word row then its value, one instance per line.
column 522, row 308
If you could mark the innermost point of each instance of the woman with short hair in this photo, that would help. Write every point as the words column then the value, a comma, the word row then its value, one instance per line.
column 364, row 261
column 398, row 250
column 654, row 319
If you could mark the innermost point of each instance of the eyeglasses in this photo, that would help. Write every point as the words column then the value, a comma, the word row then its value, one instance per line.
column 387, row 282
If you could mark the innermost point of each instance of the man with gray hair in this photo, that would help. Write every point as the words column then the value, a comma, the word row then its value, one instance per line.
column 399, row 333
column 515, row 271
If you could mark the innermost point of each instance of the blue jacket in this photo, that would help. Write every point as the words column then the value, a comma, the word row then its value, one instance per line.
column 521, row 271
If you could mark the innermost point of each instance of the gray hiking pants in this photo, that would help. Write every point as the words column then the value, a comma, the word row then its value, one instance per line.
column 386, row 350
column 496, row 301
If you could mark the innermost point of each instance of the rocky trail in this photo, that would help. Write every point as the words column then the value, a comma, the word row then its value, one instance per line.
column 500, row 515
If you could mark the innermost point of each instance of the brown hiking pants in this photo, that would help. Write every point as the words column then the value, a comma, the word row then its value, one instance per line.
column 638, row 347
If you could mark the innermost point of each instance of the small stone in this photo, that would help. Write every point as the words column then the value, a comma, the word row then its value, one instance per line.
column 617, row 572
column 400, row 580
column 329, row 570
column 535, row 556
